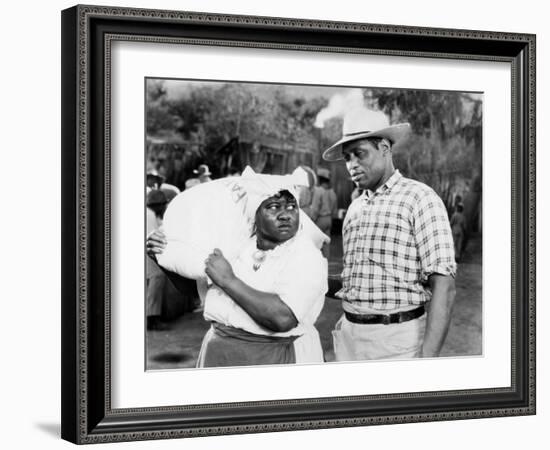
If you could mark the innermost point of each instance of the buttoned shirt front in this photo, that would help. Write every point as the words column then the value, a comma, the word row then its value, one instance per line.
column 394, row 238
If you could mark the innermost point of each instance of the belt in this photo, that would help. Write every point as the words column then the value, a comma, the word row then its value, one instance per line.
column 386, row 319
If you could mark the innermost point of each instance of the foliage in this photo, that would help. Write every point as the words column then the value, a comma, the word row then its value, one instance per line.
column 445, row 150
column 214, row 114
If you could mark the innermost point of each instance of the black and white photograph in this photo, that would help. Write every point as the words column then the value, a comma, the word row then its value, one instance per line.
column 310, row 224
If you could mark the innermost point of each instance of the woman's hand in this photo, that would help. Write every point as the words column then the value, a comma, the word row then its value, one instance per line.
column 155, row 243
column 266, row 309
column 218, row 269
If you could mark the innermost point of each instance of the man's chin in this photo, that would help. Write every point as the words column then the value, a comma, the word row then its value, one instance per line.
column 360, row 184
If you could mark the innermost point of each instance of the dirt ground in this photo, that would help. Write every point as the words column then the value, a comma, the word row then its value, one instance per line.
column 179, row 346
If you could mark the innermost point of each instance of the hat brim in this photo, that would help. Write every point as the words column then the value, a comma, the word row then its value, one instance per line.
column 157, row 203
column 395, row 134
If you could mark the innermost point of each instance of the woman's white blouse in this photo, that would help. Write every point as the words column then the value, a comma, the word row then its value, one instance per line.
column 296, row 271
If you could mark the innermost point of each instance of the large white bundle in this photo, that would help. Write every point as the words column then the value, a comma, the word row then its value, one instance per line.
column 220, row 214
column 197, row 221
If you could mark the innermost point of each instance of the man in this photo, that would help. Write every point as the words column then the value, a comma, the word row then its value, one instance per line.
column 306, row 192
column 324, row 206
column 398, row 252
column 203, row 176
column 156, row 279
column 458, row 226
column 156, row 181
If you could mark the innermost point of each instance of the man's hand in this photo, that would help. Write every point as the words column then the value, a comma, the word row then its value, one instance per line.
column 334, row 285
column 218, row 269
column 156, row 243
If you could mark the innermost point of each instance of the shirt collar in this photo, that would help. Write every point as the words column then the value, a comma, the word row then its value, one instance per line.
column 386, row 187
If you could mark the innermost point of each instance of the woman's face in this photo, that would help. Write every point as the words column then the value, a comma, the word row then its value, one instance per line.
column 277, row 218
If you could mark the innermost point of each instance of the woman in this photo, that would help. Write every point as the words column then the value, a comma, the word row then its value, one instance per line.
column 263, row 303
column 271, row 294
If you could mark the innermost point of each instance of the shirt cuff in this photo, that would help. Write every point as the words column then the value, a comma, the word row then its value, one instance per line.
column 446, row 269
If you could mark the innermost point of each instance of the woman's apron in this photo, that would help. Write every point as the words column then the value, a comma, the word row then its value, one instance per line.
column 225, row 346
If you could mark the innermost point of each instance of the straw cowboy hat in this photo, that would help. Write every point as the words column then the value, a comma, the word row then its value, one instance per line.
column 202, row 170
column 154, row 175
column 156, row 197
column 364, row 123
column 323, row 173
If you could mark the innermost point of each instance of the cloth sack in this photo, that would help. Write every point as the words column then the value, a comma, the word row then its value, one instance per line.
column 220, row 214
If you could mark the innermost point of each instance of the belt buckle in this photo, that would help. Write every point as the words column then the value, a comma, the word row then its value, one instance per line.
column 386, row 319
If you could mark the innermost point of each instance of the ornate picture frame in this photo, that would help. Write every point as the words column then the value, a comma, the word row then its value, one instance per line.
column 88, row 33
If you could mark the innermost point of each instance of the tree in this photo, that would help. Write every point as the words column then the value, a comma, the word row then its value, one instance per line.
column 216, row 114
column 446, row 148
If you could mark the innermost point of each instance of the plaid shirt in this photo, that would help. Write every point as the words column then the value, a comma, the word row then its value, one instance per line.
column 394, row 238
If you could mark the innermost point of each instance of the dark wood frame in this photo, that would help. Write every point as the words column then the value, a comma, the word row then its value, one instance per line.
column 87, row 33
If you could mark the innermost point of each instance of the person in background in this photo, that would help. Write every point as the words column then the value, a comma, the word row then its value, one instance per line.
column 306, row 192
column 156, row 181
column 156, row 279
column 203, row 176
column 458, row 226
column 398, row 251
column 324, row 206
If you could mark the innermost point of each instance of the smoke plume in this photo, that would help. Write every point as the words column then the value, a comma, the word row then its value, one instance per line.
column 339, row 105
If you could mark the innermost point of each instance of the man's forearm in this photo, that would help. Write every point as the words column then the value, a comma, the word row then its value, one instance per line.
column 439, row 314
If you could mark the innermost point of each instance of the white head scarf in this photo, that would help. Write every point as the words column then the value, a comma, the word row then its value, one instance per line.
column 251, row 189
column 260, row 187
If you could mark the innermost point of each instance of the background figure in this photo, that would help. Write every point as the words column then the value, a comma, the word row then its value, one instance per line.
column 458, row 227
column 156, row 279
column 306, row 192
column 203, row 176
column 324, row 206
column 156, row 181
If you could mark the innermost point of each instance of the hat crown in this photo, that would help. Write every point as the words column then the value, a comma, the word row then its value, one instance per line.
column 362, row 120
column 324, row 173
column 202, row 169
column 156, row 197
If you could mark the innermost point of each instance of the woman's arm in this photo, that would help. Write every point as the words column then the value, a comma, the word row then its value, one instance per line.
column 268, row 310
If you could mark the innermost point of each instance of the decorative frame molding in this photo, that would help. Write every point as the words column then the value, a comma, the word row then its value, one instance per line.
column 87, row 34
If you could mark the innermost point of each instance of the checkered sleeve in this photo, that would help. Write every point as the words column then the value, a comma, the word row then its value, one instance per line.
column 434, row 240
